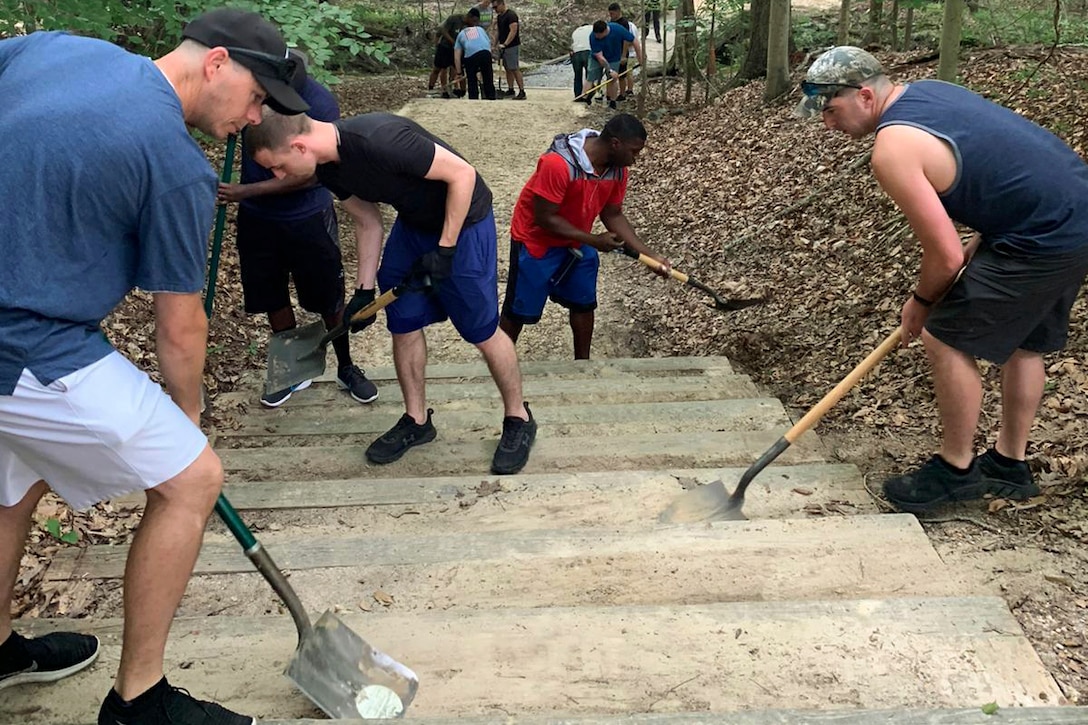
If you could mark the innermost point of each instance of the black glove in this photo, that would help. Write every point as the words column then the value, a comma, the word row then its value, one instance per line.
column 437, row 264
column 359, row 300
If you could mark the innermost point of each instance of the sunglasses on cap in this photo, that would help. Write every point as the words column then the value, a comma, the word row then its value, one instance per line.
column 276, row 67
column 812, row 90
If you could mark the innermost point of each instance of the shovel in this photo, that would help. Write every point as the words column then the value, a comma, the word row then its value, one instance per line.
column 299, row 354
column 332, row 665
column 602, row 84
column 720, row 303
column 712, row 503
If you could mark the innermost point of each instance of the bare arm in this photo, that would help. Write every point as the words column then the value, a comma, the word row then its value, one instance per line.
column 238, row 192
column 614, row 221
column 546, row 215
column 369, row 231
column 910, row 166
column 181, row 343
column 511, row 35
column 460, row 178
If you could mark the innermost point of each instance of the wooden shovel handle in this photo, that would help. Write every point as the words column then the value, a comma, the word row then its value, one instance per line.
column 655, row 265
column 828, row 401
column 380, row 303
column 602, row 84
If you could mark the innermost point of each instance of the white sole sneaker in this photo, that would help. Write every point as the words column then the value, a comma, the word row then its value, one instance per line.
column 277, row 403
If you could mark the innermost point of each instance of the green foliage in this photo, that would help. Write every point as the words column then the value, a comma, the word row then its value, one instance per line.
column 990, row 708
column 52, row 526
column 332, row 35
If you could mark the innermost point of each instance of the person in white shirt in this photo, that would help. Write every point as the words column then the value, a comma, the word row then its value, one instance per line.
column 579, row 58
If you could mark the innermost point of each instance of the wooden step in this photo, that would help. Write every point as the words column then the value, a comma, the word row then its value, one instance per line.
column 856, row 556
column 541, row 500
column 561, row 420
column 450, row 395
column 549, row 454
column 963, row 716
column 811, row 655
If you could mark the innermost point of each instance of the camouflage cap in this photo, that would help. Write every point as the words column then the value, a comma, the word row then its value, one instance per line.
column 842, row 66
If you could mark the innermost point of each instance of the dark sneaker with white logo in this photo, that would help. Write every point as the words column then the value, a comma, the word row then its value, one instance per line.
column 404, row 435
column 45, row 659
column 278, row 398
column 932, row 484
column 164, row 703
column 517, row 439
column 352, row 379
column 1006, row 478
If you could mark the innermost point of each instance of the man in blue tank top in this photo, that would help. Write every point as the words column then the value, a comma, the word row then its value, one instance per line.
column 107, row 192
column 947, row 156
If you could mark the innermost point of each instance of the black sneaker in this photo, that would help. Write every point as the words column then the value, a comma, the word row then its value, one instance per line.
column 508, row 92
column 612, row 105
column 352, row 379
column 164, row 703
column 278, row 398
column 1007, row 481
column 520, row 96
column 517, row 438
column 934, row 484
column 45, row 659
column 405, row 434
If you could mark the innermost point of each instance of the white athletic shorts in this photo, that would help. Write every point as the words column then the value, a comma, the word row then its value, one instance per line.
column 104, row 431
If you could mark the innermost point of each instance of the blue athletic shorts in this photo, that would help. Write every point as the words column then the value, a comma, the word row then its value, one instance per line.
column 568, row 279
column 469, row 299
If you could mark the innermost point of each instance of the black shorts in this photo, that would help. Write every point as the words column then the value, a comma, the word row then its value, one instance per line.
column 443, row 56
column 271, row 252
column 1009, row 301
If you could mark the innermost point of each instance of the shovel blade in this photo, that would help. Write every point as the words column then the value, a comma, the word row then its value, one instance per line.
column 295, row 355
column 346, row 677
column 710, row 502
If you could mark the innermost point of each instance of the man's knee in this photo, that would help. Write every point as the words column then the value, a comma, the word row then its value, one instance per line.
column 197, row 487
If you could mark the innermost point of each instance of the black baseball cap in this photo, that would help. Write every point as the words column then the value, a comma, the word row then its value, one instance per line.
column 255, row 43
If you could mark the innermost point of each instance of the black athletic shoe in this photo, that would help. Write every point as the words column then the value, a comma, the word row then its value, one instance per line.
column 520, row 96
column 352, row 379
column 45, row 659
column 405, row 434
column 932, row 484
column 517, row 439
column 1007, row 481
column 164, row 703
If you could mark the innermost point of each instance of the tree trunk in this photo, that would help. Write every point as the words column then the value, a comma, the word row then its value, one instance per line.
column 893, row 25
column 908, row 29
column 689, row 41
column 778, row 50
column 755, row 60
column 876, row 17
column 844, row 23
column 951, row 34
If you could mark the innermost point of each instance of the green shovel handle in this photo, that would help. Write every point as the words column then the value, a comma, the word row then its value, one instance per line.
column 220, row 224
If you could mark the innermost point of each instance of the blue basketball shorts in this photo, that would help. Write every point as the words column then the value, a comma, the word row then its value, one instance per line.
column 566, row 275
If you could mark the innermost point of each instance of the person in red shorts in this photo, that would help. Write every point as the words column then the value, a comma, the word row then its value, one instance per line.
column 553, row 252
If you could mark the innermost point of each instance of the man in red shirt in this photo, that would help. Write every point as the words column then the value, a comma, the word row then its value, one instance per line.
column 553, row 253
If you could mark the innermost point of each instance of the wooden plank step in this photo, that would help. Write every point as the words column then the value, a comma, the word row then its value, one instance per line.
column 545, row 391
column 847, row 654
column 962, row 716
column 648, row 367
column 541, row 500
column 859, row 557
column 580, row 420
column 549, row 454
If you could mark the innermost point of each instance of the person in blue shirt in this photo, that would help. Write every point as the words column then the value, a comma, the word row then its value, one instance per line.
column 472, row 52
column 947, row 156
column 113, row 193
column 606, row 45
column 287, row 230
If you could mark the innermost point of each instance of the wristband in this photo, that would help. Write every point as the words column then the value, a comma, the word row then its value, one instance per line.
column 922, row 300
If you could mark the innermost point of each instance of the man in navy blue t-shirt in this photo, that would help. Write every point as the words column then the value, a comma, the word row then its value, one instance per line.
column 110, row 192
column 287, row 230
column 606, row 47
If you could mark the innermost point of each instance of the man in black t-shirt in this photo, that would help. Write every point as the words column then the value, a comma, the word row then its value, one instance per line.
column 509, row 36
column 443, row 53
column 444, row 232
